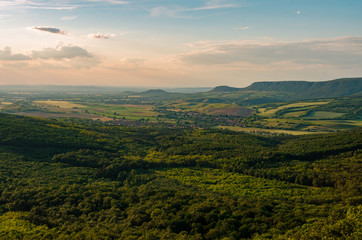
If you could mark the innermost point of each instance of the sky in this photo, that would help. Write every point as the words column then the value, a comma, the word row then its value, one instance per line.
column 178, row 43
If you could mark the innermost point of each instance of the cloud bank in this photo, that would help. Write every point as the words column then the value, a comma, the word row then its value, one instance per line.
column 62, row 52
column 62, row 57
column 7, row 55
column 343, row 52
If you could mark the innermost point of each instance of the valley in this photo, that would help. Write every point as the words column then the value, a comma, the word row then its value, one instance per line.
column 159, row 165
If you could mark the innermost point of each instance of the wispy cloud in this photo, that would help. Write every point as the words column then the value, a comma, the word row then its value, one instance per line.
column 164, row 11
column 117, row 2
column 69, row 18
column 214, row 4
column 50, row 30
column 101, row 35
column 177, row 11
column 26, row 4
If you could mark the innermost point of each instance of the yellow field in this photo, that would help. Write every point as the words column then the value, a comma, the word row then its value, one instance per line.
column 6, row 103
column 61, row 104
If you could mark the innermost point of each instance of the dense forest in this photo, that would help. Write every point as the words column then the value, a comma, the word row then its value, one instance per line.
column 81, row 180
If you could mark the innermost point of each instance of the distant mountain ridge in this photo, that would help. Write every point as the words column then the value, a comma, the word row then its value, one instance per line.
column 303, row 89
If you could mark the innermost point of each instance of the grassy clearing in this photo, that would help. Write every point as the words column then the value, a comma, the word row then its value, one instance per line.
column 283, row 123
column 323, row 115
column 296, row 114
column 277, row 131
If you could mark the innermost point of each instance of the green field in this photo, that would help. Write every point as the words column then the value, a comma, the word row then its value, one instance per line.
column 339, row 124
column 323, row 115
column 296, row 114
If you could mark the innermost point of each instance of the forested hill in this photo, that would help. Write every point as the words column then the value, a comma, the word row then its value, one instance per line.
column 304, row 89
column 82, row 180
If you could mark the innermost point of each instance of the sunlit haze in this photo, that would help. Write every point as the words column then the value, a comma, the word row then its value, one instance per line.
column 179, row 43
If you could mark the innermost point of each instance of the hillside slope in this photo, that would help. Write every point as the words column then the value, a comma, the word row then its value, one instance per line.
column 297, row 90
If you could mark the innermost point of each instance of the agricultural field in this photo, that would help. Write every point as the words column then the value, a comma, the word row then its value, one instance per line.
column 201, row 110
column 338, row 124
column 70, row 109
column 211, row 108
column 59, row 104
column 128, row 111
column 270, row 111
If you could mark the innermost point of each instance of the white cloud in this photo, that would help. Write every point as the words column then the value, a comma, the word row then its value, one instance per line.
column 242, row 28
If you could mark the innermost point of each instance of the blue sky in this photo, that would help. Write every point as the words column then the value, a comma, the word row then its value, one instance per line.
column 176, row 43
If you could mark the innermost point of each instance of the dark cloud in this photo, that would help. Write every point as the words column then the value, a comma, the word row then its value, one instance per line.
column 338, row 51
column 6, row 54
column 50, row 30
column 62, row 52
